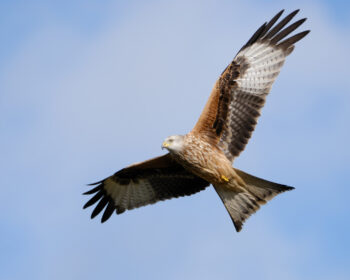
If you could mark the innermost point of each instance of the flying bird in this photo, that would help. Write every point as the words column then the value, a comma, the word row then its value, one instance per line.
column 205, row 155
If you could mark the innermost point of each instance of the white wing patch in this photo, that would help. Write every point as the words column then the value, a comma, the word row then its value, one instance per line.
column 264, row 63
column 260, row 63
column 132, row 195
column 248, row 80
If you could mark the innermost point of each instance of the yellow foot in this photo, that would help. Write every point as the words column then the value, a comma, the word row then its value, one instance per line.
column 224, row 178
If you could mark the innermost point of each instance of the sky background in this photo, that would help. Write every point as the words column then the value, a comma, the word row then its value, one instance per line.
column 88, row 87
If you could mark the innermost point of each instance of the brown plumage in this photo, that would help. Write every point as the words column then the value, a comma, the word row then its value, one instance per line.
column 205, row 155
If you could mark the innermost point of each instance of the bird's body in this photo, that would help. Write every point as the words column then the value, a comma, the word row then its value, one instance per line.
column 203, row 159
column 205, row 155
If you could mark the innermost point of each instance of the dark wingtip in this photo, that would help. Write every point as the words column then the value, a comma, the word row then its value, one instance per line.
column 279, row 13
column 100, row 206
column 303, row 20
column 288, row 43
column 92, row 184
column 108, row 212
column 94, row 199
column 295, row 12
column 287, row 188
column 92, row 190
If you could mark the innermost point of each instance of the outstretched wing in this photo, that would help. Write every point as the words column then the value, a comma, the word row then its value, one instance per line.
column 234, row 105
column 142, row 184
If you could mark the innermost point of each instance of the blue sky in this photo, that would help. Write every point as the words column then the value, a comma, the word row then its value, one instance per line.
column 88, row 88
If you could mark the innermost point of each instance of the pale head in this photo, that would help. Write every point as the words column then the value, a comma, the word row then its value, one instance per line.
column 174, row 143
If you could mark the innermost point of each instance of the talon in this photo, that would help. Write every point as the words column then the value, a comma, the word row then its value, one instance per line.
column 224, row 178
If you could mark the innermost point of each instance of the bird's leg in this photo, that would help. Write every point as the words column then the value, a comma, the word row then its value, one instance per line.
column 223, row 177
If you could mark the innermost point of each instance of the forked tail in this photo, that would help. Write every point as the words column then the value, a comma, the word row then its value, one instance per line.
column 242, row 203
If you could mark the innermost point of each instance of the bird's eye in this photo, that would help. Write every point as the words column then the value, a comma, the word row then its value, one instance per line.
column 171, row 140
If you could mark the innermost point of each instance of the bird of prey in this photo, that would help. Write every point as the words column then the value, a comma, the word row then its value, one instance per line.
column 205, row 155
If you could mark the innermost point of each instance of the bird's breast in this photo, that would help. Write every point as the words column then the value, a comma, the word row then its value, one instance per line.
column 205, row 161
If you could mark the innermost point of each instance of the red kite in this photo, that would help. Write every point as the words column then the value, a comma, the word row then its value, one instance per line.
column 205, row 155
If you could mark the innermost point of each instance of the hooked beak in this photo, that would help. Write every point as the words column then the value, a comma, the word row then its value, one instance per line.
column 165, row 145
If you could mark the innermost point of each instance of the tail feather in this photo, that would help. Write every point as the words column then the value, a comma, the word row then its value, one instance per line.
column 262, row 189
column 242, row 203
column 239, row 204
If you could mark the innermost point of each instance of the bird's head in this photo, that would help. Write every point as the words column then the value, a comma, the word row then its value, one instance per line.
column 173, row 143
